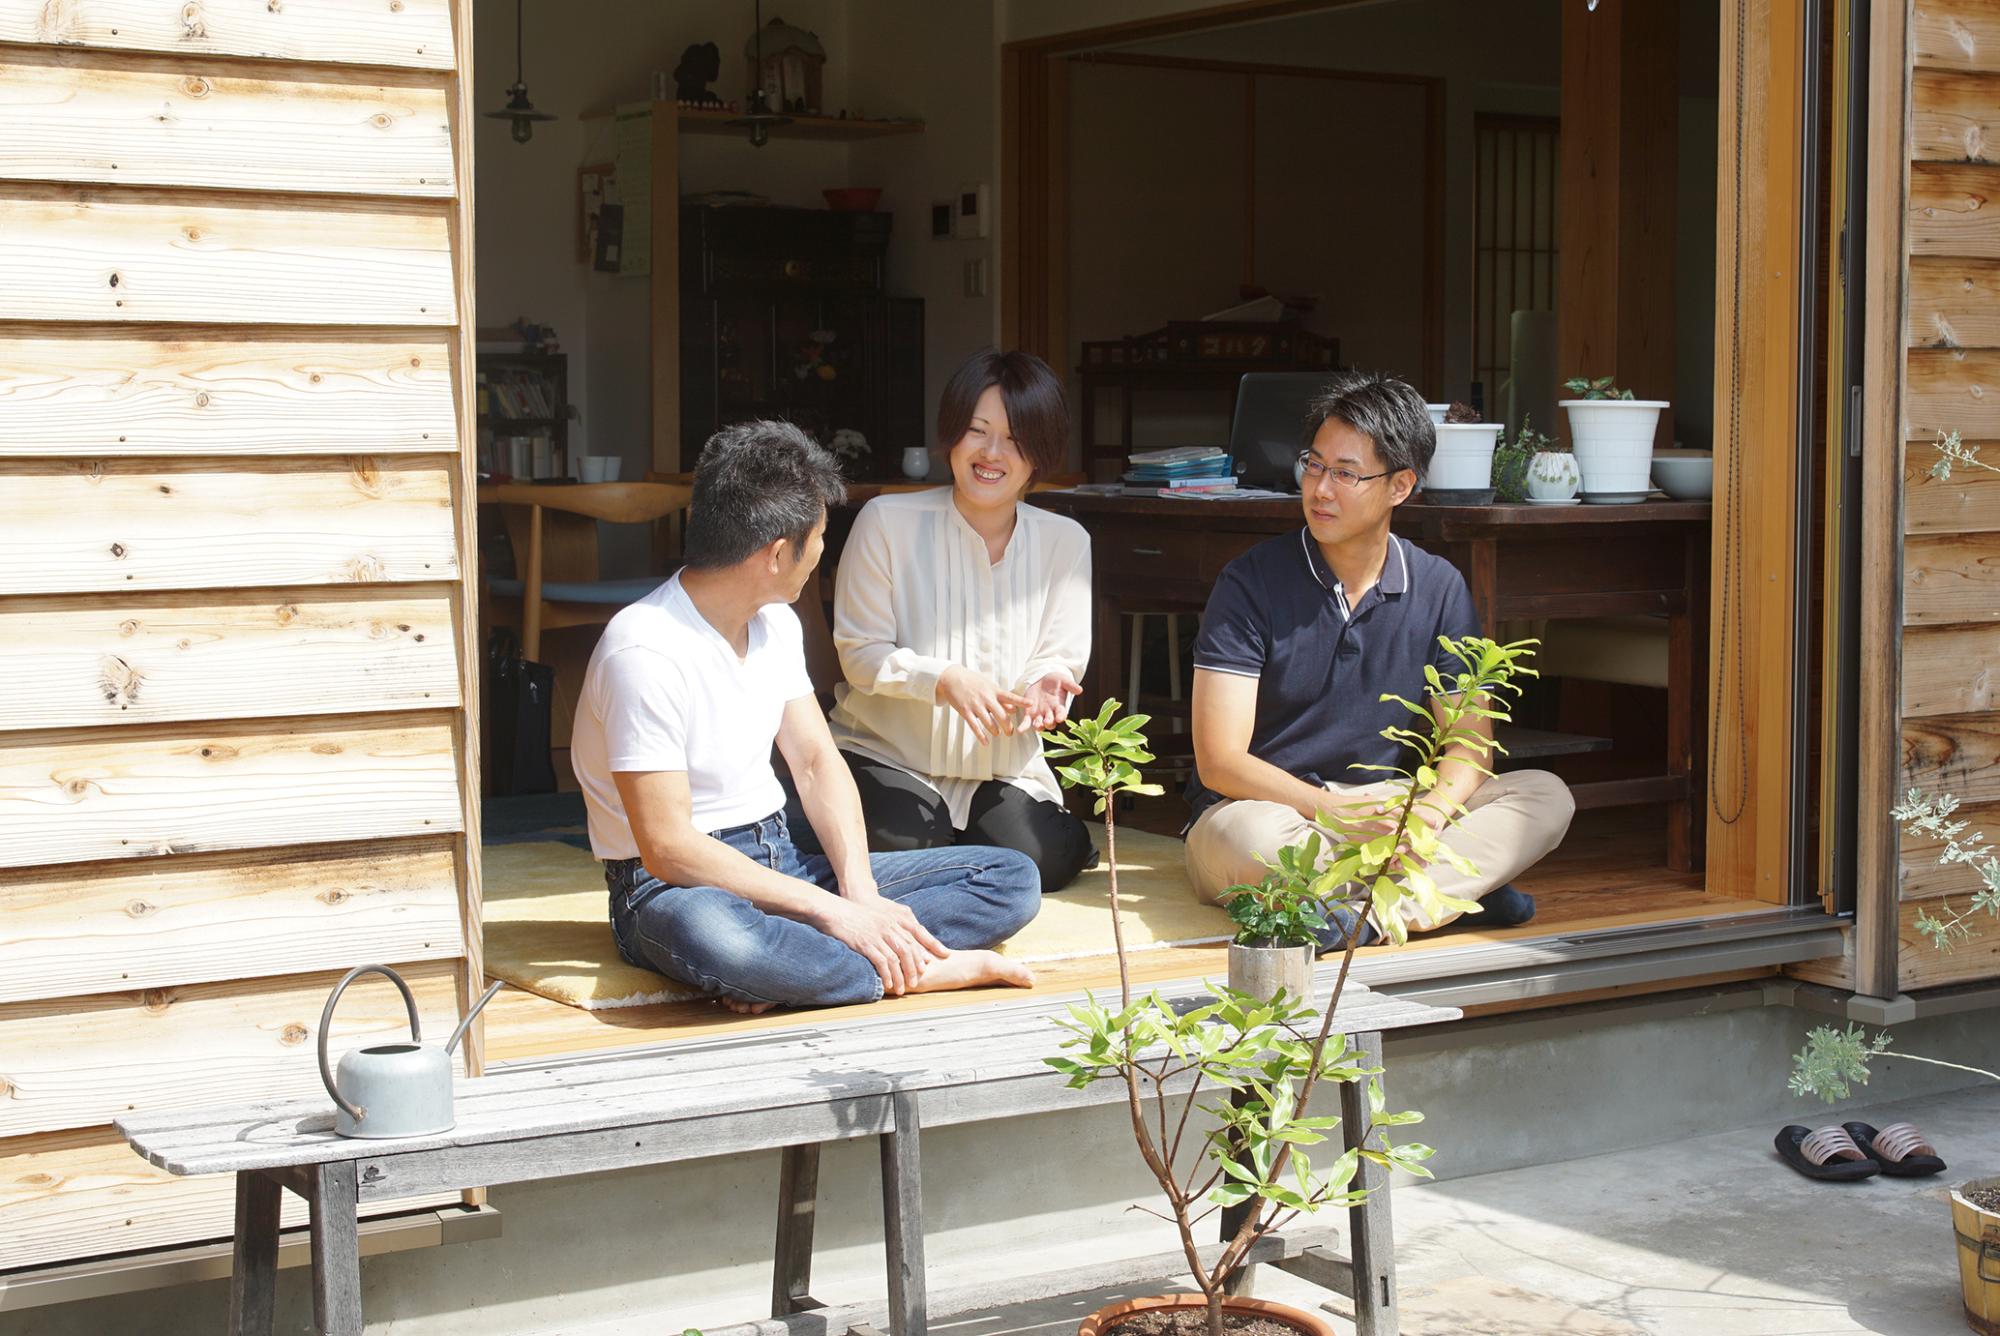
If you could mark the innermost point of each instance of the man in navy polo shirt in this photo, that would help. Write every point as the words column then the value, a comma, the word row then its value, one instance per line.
column 1302, row 636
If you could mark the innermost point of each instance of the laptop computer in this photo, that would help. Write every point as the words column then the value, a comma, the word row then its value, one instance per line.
column 1269, row 426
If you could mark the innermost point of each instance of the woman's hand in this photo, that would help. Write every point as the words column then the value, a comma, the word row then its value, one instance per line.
column 1047, row 702
column 979, row 701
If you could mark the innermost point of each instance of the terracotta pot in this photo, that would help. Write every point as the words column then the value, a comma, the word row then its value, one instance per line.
column 1307, row 1324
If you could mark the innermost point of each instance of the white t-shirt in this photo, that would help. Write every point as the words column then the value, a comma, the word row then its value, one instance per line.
column 666, row 692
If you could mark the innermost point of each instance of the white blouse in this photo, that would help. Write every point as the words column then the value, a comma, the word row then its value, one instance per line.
column 916, row 594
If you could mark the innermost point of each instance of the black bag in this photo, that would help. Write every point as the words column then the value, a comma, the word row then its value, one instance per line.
column 519, row 693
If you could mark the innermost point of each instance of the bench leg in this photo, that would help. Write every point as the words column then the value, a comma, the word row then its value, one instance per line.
column 335, row 1199
column 903, row 1218
column 1373, row 1244
column 253, row 1277
column 1239, row 1280
column 798, row 1199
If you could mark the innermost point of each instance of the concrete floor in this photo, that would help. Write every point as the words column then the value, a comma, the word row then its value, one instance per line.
column 1708, row 1236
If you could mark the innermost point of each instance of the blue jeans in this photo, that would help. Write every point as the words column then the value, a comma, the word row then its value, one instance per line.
column 716, row 941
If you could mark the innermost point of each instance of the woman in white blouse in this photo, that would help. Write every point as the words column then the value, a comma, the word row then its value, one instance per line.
column 962, row 618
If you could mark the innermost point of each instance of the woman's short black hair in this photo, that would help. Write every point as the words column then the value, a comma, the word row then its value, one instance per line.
column 1387, row 411
column 1037, row 413
column 755, row 483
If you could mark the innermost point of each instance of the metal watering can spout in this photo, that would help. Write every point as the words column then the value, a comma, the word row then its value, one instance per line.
column 397, row 1089
column 451, row 1044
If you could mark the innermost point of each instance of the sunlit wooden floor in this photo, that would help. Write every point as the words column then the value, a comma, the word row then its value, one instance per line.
column 1609, row 873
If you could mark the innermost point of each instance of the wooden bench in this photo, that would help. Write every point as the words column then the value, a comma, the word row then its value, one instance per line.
column 838, row 1077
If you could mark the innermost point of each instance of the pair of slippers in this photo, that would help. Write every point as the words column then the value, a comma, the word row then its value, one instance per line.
column 1856, row 1150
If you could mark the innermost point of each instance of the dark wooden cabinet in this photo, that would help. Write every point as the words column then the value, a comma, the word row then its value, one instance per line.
column 783, row 315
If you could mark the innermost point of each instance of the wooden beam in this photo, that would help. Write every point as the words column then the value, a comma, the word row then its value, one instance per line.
column 160, row 121
column 72, row 253
column 1620, row 113
column 99, row 526
column 154, row 923
column 84, row 661
column 149, row 391
column 414, row 33
column 177, row 788
column 1951, row 578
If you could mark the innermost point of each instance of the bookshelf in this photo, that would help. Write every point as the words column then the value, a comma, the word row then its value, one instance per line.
column 524, row 414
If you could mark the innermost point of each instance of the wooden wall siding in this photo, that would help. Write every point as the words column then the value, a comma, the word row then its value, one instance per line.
column 1953, row 389
column 67, row 116
column 114, row 927
column 1955, row 35
column 1968, row 503
column 164, row 391
column 1950, row 670
column 103, row 525
column 1952, row 210
column 77, row 1062
column 1954, row 303
column 413, row 33
column 1951, row 578
column 79, row 662
column 149, row 792
column 1924, row 878
column 1951, row 547
column 81, row 253
column 79, row 1194
column 235, row 523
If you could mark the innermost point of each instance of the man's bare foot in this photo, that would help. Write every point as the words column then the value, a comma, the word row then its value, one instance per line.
column 746, row 1008
column 972, row 969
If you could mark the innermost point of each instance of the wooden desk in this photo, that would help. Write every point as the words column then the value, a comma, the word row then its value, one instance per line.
column 1157, row 554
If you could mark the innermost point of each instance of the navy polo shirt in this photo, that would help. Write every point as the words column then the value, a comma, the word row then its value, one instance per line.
column 1322, row 662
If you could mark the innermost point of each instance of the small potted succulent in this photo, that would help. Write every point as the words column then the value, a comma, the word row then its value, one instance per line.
column 1612, row 434
column 1551, row 476
column 1461, row 471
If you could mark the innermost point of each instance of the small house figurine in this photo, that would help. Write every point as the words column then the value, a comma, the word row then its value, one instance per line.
column 793, row 59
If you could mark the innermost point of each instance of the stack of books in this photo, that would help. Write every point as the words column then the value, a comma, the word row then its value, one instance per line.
column 1184, row 470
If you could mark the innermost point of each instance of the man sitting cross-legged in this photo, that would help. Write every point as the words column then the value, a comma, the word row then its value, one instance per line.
column 685, row 694
column 1302, row 637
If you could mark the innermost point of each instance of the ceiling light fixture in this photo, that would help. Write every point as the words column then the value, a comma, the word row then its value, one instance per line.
column 518, row 109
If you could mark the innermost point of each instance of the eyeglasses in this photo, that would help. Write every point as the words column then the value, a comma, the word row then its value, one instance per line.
column 1310, row 469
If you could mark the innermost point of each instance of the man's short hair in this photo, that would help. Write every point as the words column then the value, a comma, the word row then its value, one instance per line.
column 755, row 483
column 1387, row 411
column 1037, row 415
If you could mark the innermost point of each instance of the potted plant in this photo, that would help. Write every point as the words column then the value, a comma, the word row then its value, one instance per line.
column 1252, row 1151
column 1549, row 477
column 1461, row 469
column 1612, row 434
column 1276, row 925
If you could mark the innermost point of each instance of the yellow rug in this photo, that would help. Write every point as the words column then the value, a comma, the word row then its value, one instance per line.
column 547, row 930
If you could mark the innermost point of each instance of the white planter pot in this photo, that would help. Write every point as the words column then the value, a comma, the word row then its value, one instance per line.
column 1437, row 412
column 1552, row 476
column 1461, row 470
column 916, row 463
column 1613, row 439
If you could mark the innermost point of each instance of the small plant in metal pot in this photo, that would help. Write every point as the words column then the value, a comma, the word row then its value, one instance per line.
column 1219, row 1090
column 1278, row 925
column 1612, row 432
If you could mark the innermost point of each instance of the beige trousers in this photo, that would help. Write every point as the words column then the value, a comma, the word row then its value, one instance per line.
column 1511, row 823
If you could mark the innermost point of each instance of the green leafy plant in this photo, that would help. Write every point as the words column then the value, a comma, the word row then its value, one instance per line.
column 1281, row 910
column 1834, row 1060
column 1583, row 387
column 1255, row 1148
column 1512, row 458
column 1953, row 452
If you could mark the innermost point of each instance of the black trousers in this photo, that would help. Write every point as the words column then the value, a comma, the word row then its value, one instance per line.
column 904, row 813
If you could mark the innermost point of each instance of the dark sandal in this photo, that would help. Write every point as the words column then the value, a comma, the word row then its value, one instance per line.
column 1899, row 1148
column 1829, row 1153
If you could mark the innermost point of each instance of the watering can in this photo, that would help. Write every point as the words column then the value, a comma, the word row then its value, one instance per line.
column 392, row 1090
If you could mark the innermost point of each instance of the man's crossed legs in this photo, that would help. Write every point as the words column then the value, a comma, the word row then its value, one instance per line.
column 970, row 898
column 1511, row 823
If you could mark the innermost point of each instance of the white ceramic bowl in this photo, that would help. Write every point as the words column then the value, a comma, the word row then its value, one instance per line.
column 1685, row 475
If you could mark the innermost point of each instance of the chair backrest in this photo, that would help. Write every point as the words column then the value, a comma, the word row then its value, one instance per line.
column 569, row 544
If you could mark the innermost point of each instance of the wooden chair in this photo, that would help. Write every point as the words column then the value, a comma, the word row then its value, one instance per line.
column 553, row 530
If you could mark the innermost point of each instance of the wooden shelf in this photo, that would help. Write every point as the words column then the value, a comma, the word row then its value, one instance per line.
column 702, row 121
column 501, row 420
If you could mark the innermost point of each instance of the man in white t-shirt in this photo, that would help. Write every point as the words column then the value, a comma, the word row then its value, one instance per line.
column 686, row 693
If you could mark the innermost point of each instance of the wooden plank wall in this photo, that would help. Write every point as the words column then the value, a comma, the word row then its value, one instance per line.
column 1951, row 530
column 236, row 748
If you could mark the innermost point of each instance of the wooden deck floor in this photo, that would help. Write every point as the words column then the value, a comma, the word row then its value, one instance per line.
column 1609, row 873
